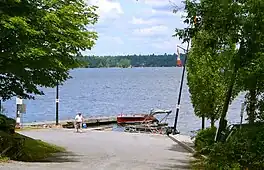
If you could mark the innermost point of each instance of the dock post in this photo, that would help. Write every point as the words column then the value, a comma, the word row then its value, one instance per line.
column 57, row 104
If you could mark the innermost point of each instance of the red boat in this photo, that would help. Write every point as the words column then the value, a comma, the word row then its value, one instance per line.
column 138, row 118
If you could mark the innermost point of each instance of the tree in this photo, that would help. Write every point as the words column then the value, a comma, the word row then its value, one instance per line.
column 251, row 78
column 235, row 22
column 39, row 42
column 252, row 75
column 166, row 60
column 206, row 81
column 124, row 63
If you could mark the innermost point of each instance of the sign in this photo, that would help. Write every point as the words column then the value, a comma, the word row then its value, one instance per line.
column 21, row 108
column 19, row 101
column 57, row 100
column 18, row 120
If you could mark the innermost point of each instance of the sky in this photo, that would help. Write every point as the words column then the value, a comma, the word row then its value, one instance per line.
column 127, row 27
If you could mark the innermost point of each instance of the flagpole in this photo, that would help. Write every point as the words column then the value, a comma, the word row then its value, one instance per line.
column 180, row 92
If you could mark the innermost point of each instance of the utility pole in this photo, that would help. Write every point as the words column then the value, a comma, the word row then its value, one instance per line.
column 180, row 92
column 57, row 104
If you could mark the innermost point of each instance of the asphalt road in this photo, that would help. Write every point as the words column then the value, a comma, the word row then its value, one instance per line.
column 107, row 150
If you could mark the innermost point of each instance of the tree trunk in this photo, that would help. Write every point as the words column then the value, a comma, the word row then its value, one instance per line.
column 203, row 122
column 251, row 110
column 222, row 123
column 212, row 122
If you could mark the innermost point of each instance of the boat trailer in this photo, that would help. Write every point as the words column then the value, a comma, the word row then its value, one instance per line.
column 157, row 127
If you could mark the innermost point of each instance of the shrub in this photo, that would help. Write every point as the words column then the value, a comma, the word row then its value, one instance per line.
column 205, row 140
column 7, row 124
column 244, row 149
column 10, row 145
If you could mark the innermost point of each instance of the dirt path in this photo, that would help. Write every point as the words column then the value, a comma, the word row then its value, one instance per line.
column 106, row 150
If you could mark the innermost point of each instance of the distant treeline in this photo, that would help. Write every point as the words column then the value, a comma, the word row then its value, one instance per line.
column 165, row 60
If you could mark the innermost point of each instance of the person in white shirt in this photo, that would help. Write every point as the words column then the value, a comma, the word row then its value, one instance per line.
column 79, row 121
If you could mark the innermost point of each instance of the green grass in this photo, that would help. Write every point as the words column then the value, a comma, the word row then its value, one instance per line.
column 4, row 159
column 35, row 150
column 197, row 164
column 28, row 128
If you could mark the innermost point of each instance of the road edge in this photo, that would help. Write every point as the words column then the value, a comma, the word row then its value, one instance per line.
column 182, row 144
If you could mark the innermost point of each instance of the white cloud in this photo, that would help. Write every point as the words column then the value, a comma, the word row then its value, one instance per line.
column 156, row 2
column 118, row 40
column 141, row 21
column 165, row 45
column 107, row 9
column 114, row 39
column 158, row 12
column 154, row 30
column 169, row 44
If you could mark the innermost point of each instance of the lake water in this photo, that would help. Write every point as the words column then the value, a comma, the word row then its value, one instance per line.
column 111, row 91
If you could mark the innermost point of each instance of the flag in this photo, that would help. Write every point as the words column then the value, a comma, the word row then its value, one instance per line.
column 178, row 52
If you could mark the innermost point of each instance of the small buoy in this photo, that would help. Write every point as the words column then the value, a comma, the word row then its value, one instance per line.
column 84, row 125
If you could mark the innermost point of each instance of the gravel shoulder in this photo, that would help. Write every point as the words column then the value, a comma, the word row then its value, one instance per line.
column 106, row 150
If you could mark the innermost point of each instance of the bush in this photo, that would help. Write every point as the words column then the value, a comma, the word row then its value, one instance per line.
column 7, row 124
column 205, row 140
column 10, row 145
column 244, row 149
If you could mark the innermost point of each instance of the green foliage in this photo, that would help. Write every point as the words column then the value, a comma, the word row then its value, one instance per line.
column 10, row 146
column 36, row 150
column 7, row 124
column 236, row 23
column 124, row 63
column 39, row 40
column 22, row 148
column 166, row 60
column 244, row 149
column 208, row 74
column 204, row 140
column 221, row 157
column 251, row 79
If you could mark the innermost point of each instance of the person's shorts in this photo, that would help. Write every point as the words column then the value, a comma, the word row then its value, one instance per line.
column 78, row 124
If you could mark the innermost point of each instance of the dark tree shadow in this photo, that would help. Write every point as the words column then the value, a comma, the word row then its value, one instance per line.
column 178, row 148
column 61, row 157
column 178, row 164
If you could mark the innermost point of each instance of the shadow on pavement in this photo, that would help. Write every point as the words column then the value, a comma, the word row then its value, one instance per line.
column 178, row 164
column 178, row 148
column 61, row 158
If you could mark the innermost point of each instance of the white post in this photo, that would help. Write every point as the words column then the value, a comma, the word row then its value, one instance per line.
column 19, row 101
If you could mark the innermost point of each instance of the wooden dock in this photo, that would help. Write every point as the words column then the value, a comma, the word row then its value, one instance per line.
column 91, row 122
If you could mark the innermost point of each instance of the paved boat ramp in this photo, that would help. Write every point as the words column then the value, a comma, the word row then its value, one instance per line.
column 106, row 150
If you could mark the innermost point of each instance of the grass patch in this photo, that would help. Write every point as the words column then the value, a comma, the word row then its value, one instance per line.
column 36, row 150
column 32, row 150
column 4, row 159
column 29, row 128
column 197, row 164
